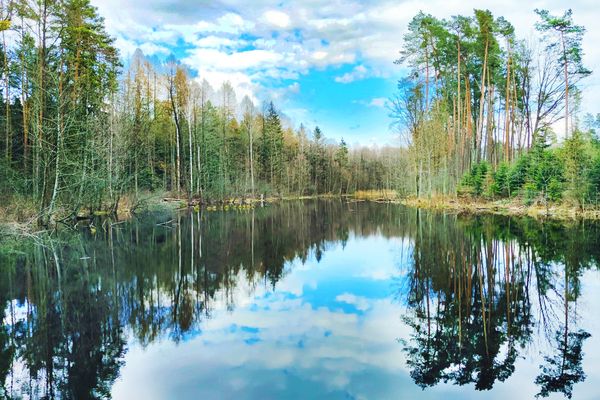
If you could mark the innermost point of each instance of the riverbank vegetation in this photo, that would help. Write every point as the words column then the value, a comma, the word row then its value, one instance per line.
column 481, row 108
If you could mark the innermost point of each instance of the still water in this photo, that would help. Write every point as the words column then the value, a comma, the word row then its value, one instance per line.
column 304, row 300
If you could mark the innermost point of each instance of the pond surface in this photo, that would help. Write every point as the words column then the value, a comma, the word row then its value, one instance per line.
column 304, row 300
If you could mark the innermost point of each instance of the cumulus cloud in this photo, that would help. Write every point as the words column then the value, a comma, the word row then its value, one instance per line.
column 361, row 303
column 215, row 42
column 277, row 18
column 151, row 49
column 359, row 72
column 234, row 61
column 379, row 102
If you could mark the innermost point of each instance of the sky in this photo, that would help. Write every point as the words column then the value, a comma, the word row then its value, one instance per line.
column 323, row 62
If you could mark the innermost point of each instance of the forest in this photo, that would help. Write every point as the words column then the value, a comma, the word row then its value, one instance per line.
column 486, row 114
column 81, row 131
column 478, row 114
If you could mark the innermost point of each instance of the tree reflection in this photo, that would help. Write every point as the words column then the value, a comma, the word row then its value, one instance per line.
column 469, row 288
column 561, row 371
column 475, row 290
column 77, row 301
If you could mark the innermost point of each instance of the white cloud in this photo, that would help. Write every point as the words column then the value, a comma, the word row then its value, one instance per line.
column 277, row 18
column 150, row 49
column 359, row 72
column 361, row 303
column 215, row 42
column 294, row 87
column 378, row 102
column 228, row 23
column 319, row 55
column 256, row 38
column 236, row 61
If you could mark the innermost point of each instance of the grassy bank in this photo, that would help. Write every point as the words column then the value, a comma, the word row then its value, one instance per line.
column 20, row 216
column 473, row 205
column 514, row 207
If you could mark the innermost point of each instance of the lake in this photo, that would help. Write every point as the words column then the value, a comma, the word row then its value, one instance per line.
column 304, row 300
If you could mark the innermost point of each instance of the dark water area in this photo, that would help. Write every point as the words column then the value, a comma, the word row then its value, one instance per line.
column 304, row 300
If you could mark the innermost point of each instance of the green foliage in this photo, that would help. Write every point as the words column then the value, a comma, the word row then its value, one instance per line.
column 518, row 173
column 530, row 192
column 577, row 162
column 571, row 171
column 570, row 37
column 474, row 181
column 82, row 132
column 464, row 68
column 555, row 190
column 4, row 25
column 500, row 186
column 594, row 180
column 545, row 168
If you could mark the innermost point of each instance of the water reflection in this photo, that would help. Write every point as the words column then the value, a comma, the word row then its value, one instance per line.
column 473, row 289
column 297, row 300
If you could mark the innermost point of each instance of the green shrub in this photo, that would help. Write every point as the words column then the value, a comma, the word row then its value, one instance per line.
column 594, row 180
column 474, row 181
column 555, row 190
column 530, row 192
column 501, row 185
column 517, row 174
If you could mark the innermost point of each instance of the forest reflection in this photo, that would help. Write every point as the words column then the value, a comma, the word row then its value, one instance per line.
column 477, row 290
column 479, row 287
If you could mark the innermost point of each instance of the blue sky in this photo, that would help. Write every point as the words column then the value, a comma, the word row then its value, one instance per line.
column 326, row 63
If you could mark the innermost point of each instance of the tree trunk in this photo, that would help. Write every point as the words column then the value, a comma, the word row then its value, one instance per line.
column 479, row 133
column 250, row 133
column 507, row 110
column 177, row 139
column 562, row 39
column 191, row 161
column 7, row 101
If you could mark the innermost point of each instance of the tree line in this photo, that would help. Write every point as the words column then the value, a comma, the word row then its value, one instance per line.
column 480, row 109
column 81, row 131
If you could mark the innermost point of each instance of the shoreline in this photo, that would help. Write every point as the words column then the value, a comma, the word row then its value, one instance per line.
column 23, row 222
column 460, row 206
column 559, row 212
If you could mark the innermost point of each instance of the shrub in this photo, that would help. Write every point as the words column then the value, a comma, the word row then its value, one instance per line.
column 517, row 174
column 594, row 180
column 473, row 182
column 530, row 192
column 501, row 184
column 555, row 190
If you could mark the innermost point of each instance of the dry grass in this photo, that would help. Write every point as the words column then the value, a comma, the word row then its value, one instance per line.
column 376, row 195
column 514, row 207
column 18, row 216
column 17, row 210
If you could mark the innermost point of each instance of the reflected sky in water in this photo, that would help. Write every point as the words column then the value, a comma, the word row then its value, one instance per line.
column 334, row 316
column 330, row 329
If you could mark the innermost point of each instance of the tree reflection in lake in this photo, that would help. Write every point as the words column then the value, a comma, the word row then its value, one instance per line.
column 478, row 287
column 476, row 291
